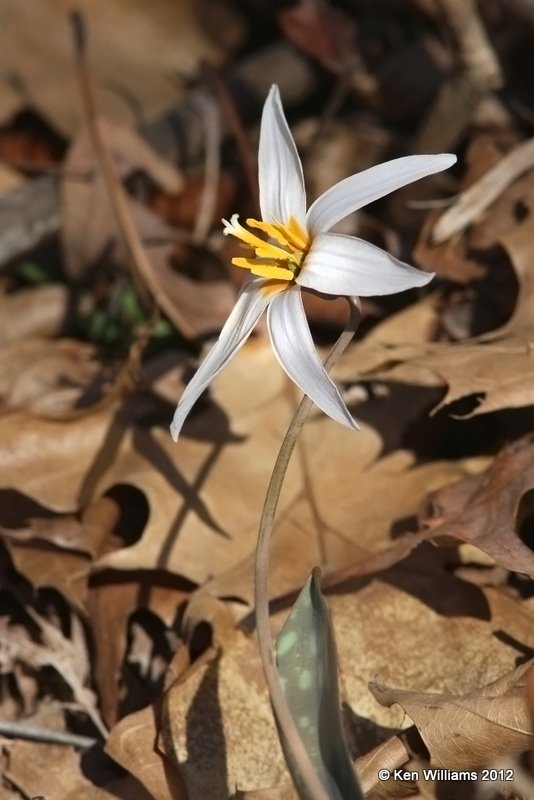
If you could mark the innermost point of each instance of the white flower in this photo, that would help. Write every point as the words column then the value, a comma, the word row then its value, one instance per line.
column 298, row 252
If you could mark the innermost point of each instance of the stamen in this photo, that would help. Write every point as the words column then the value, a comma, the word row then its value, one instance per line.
column 264, row 270
column 270, row 261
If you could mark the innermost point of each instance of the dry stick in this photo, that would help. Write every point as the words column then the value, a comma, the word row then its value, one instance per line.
column 281, row 710
column 481, row 74
column 248, row 162
column 212, row 168
column 109, row 172
column 142, row 271
column 18, row 730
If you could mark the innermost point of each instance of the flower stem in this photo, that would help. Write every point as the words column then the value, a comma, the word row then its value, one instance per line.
column 314, row 787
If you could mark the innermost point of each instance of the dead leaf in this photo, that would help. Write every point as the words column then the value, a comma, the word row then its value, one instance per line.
column 45, row 376
column 479, row 196
column 135, row 54
column 33, row 312
column 183, row 490
column 465, row 731
column 37, row 770
column 484, row 509
column 112, row 600
column 240, row 749
column 132, row 744
column 323, row 32
column 389, row 755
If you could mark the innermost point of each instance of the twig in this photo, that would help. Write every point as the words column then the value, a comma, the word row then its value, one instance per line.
column 481, row 74
column 142, row 272
column 212, row 168
column 19, row 730
column 248, row 161
column 261, row 573
column 145, row 279
column 31, row 213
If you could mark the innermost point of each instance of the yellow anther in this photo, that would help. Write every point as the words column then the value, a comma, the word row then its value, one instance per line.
column 264, row 270
column 270, row 260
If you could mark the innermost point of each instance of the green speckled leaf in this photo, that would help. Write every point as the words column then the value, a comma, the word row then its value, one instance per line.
column 307, row 665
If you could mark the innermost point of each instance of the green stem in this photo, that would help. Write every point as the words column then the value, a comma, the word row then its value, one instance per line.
column 314, row 787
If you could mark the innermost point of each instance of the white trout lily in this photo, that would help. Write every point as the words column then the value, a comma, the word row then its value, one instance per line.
column 291, row 249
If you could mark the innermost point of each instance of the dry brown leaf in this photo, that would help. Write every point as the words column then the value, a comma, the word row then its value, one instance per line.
column 45, row 376
column 389, row 755
column 450, row 260
column 200, row 524
column 39, row 770
column 400, row 334
column 55, row 551
column 479, row 196
column 325, row 33
column 135, row 55
column 132, row 744
column 64, row 571
column 378, row 628
column 498, row 374
column 33, row 312
column 111, row 601
column 465, row 731
column 497, row 368
column 484, row 510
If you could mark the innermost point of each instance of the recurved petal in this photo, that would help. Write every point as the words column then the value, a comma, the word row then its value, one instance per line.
column 282, row 193
column 345, row 265
column 293, row 346
column 249, row 306
column 359, row 190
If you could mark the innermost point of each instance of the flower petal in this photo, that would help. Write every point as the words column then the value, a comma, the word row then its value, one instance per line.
column 293, row 346
column 359, row 190
column 249, row 307
column 345, row 265
column 282, row 193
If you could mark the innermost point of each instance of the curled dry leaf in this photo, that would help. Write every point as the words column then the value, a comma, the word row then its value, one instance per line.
column 484, row 510
column 481, row 194
column 465, row 731
column 389, row 755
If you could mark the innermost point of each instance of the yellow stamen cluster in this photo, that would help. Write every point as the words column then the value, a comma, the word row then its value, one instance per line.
column 270, row 260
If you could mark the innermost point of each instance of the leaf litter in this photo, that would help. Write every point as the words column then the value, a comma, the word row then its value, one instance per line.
column 126, row 609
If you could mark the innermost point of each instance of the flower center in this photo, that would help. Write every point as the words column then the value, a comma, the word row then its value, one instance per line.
column 280, row 261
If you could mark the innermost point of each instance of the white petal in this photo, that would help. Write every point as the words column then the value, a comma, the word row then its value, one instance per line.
column 293, row 346
column 249, row 307
column 359, row 190
column 345, row 265
column 282, row 193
